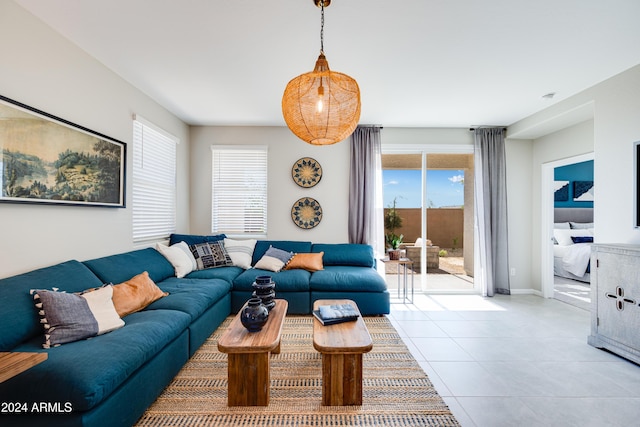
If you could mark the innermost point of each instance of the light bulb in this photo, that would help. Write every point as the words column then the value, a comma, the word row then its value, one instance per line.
column 320, row 104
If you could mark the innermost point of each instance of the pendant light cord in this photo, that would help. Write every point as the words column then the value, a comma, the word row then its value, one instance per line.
column 322, row 27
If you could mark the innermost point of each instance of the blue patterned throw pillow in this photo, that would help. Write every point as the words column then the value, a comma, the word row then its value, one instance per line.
column 210, row 255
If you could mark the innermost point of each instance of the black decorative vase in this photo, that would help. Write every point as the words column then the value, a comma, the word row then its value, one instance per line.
column 264, row 288
column 254, row 315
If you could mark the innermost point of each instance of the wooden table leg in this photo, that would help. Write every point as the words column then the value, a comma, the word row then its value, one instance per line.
column 341, row 379
column 277, row 349
column 249, row 379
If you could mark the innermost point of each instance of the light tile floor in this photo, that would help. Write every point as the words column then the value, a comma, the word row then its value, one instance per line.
column 518, row 361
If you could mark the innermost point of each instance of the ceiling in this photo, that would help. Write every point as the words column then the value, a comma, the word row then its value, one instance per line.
column 419, row 63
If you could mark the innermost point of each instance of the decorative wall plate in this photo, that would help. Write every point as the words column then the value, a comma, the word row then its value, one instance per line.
column 306, row 213
column 306, row 172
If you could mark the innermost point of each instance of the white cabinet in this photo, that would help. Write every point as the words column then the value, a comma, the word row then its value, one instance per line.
column 615, row 299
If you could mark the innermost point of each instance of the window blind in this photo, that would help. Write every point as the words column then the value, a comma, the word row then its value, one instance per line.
column 154, row 182
column 239, row 190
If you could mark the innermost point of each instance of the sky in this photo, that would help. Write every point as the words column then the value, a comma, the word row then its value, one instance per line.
column 445, row 188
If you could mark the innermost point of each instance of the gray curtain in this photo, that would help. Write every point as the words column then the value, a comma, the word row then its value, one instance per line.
column 491, row 210
column 365, row 187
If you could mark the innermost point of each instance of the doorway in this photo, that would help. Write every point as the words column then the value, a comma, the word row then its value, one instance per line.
column 567, row 227
column 432, row 196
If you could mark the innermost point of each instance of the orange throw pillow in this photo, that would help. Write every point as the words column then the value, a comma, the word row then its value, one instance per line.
column 310, row 262
column 135, row 294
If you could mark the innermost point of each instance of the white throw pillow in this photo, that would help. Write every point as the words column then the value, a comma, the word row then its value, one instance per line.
column 269, row 263
column 579, row 225
column 179, row 256
column 564, row 236
column 240, row 251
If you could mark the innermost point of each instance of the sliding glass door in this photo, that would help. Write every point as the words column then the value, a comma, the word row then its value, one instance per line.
column 428, row 201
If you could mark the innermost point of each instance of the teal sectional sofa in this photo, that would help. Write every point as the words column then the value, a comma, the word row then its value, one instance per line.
column 110, row 380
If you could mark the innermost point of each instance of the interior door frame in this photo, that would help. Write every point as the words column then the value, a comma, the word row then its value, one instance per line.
column 546, row 217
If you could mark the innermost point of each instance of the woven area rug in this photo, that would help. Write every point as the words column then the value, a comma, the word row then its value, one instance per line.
column 396, row 391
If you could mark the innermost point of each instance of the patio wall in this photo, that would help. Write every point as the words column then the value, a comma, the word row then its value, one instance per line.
column 443, row 226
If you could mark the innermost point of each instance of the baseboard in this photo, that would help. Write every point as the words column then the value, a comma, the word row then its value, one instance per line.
column 526, row 292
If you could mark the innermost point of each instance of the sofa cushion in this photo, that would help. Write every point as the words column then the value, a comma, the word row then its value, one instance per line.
column 210, row 255
column 347, row 278
column 346, row 254
column 225, row 273
column 180, row 256
column 191, row 296
column 286, row 280
column 135, row 294
column 310, row 262
column 285, row 245
column 19, row 317
column 86, row 372
column 121, row 267
column 193, row 239
column 68, row 317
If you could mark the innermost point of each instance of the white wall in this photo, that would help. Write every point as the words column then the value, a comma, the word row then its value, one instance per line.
column 615, row 127
column 524, row 164
column 284, row 149
column 332, row 192
column 563, row 144
column 519, row 171
column 426, row 136
column 43, row 70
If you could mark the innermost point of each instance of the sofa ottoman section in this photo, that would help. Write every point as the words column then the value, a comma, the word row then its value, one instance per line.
column 208, row 302
column 227, row 274
column 191, row 296
column 84, row 373
column 292, row 285
column 349, row 273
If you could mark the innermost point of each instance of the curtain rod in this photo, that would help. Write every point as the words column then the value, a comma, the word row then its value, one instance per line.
column 371, row 126
column 472, row 129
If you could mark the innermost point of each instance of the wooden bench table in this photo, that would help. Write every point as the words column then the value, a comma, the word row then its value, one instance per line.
column 248, row 364
column 11, row 364
column 342, row 346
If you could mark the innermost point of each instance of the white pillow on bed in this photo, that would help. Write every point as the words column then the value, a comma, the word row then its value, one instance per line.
column 562, row 225
column 564, row 236
column 579, row 225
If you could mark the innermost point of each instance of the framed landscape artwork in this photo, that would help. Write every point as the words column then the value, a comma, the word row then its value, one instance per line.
column 49, row 160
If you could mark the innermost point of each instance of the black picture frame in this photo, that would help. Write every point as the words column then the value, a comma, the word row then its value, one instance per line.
column 45, row 159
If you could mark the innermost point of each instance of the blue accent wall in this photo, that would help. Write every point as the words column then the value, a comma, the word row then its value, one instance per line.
column 576, row 172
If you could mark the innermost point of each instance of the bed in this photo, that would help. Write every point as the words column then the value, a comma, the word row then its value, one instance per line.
column 573, row 237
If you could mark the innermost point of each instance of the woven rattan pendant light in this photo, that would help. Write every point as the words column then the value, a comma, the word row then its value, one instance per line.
column 322, row 107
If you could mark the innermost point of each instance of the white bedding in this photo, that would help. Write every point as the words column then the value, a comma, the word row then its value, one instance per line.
column 571, row 259
column 574, row 258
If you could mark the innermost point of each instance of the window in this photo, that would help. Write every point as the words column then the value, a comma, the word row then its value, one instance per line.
column 239, row 190
column 154, row 182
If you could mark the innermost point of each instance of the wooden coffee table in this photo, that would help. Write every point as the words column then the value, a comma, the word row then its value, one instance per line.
column 342, row 346
column 248, row 364
column 11, row 364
